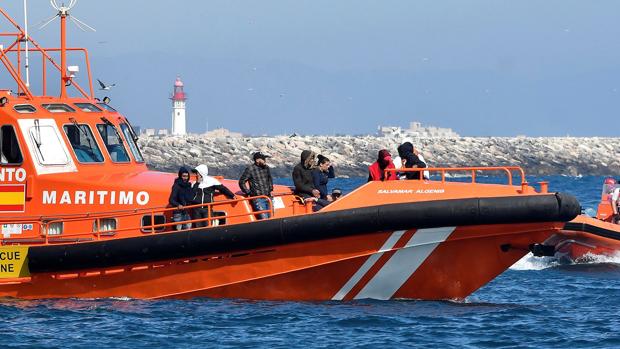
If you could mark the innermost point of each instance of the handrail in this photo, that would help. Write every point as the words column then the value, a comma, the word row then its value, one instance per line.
column 152, row 228
column 44, row 225
column 443, row 170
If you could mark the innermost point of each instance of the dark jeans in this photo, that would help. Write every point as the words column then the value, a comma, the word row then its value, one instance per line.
column 319, row 204
column 261, row 204
column 181, row 216
column 200, row 213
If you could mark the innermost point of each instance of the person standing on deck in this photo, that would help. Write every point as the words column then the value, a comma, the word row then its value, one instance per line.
column 260, row 183
column 180, row 196
column 203, row 192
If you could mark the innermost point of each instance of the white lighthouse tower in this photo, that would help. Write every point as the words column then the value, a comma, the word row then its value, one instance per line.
column 178, row 108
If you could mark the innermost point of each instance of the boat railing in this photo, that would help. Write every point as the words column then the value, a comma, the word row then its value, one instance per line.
column 508, row 170
column 47, row 236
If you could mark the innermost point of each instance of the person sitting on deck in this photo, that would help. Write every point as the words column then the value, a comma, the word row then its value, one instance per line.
column 261, row 183
column 376, row 171
column 336, row 194
column 425, row 174
column 302, row 176
column 180, row 196
column 411, row 160
column 203, row 191
column 320, row 176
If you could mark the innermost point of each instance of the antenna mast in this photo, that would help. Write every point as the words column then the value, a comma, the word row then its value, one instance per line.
column 27, row 63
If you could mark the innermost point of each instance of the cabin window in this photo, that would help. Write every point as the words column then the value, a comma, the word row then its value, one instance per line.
column 10, row 154
column 25, row 108
column 113, row 142
column 88, row 107
column 106, row 107
column 146, row 223
column 107, row 226
column 84, row 145
column 49, row 149
column 58, row 108
column 131, row 137
column 55, row 228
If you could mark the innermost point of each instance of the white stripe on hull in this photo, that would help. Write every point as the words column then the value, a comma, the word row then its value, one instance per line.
column 398, row 269
column 388, row 245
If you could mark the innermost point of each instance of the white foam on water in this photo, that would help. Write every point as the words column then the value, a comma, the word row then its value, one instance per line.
column 529, row 262
column 590, row 258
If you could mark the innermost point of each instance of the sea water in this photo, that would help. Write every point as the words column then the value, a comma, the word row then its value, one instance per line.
column 535, row 304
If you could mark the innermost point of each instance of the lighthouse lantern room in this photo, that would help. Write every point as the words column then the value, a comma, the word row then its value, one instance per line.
column 178, row 108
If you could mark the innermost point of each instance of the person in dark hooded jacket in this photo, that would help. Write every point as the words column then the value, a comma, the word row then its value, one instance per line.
column 181, row 195
column 302, row 176
column 405, row 151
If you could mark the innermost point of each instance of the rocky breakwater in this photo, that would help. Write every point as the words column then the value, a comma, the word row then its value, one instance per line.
column 351, row 155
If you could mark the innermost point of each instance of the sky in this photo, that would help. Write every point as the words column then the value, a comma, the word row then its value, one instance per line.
column 480, row 67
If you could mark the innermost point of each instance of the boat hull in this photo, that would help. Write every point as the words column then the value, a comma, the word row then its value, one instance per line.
column 585, row 237
column 432, row 263
column 444, row 249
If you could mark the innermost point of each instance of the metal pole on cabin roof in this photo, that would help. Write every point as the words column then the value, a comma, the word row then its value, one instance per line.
column 63, row 54
column 27, row 63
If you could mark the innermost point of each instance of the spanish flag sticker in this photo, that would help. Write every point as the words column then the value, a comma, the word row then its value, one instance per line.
column 12, row 197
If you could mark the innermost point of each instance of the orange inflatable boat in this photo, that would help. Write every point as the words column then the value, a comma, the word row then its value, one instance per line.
column 586, row 237
column 82, row 216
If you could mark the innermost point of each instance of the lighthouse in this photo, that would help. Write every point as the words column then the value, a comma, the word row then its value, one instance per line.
column 178, row 108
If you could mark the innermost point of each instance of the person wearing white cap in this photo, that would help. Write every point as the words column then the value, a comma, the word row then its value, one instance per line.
column 204, row 190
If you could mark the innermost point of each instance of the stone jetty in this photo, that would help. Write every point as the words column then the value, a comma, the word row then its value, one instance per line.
column 352, row 154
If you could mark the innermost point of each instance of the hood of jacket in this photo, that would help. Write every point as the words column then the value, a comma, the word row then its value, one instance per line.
column 405, row 149
column 207, row 181
column 307, row 159
column 384, row 158
column 180, row 180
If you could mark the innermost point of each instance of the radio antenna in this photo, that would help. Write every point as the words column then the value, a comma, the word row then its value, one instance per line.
column 27, row 62
column 63, row 13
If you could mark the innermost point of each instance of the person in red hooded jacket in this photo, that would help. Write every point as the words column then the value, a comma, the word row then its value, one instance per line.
column 376, row 171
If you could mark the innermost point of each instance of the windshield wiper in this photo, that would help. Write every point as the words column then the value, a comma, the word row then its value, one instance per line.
column 37, row 137
column 82, row 131
column 110, row 124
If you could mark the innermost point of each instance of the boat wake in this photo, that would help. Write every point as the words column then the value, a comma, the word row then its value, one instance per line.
column 529, row 262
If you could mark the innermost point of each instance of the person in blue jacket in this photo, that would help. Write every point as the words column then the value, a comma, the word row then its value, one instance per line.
column 320, row 176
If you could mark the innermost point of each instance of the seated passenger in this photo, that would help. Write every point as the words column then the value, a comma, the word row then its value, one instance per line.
column 261, row 183
column 180, row 196
column 336, row 194
column 320, row 176
column 376, row 171
column 410, row 159
column 417, row 152
column 203, row 191
column 302, row 176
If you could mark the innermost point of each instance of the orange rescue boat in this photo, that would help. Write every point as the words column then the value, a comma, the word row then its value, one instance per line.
column 586, row 237
column 82, row 216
